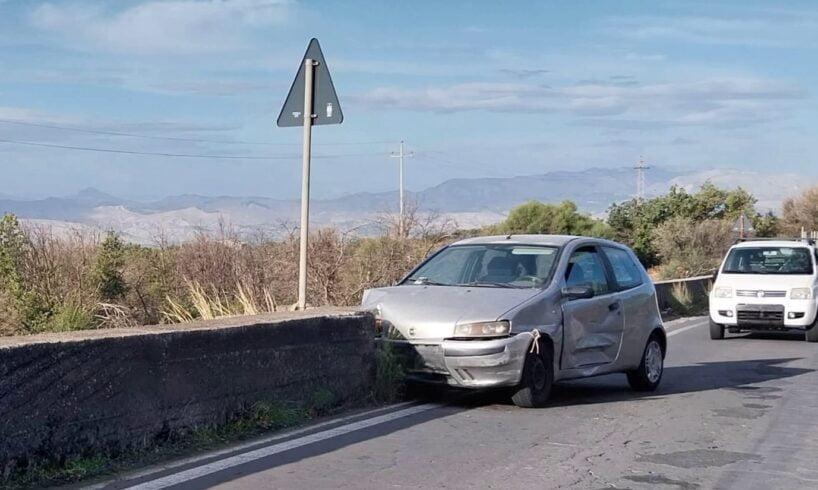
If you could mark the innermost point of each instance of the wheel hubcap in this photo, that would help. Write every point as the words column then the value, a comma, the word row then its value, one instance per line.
column 653, row 361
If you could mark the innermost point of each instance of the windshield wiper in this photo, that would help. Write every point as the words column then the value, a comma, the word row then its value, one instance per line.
column 425, row 281
column 490, row 284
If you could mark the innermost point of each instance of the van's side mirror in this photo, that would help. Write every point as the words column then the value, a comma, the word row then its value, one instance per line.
column 578, row 292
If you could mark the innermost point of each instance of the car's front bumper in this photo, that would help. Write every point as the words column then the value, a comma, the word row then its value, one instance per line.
column 466, row 363
column 763, row 314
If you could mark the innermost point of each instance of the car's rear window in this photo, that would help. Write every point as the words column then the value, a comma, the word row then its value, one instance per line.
column 769, row 260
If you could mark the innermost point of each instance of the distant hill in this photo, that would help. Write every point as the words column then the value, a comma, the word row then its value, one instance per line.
column 468, row 202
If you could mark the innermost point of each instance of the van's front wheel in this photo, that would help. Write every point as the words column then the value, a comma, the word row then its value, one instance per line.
column 716, row 330
column 538, row 377
column 812, row 331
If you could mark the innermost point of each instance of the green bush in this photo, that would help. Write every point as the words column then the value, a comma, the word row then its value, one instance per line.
column 69, row 318
column 389, row 375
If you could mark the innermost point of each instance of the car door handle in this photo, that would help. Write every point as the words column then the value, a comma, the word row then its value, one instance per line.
column 613, row 306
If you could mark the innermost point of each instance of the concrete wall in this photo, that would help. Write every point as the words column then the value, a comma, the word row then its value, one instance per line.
column 699, row 288
column 108, row 389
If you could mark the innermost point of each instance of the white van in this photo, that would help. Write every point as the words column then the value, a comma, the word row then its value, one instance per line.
column 767, row 285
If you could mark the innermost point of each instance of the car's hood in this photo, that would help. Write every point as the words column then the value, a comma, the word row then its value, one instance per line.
column 767, row 282
column 431, row 312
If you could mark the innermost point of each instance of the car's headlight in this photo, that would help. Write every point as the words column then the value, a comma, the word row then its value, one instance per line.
column 483, row 329
column 723, row 293
column 800, row 293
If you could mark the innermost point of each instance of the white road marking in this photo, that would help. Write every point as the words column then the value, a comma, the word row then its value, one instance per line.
column 216, row 466
column 238, row 447
column 684, row 329
column 247, row 457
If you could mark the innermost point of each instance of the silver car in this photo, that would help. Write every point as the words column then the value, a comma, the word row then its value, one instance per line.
column 524, row 311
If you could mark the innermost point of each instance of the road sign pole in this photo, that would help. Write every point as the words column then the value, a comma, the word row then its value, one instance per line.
column 309, row 66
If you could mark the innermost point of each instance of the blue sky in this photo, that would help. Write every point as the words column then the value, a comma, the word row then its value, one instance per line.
column 477, row 89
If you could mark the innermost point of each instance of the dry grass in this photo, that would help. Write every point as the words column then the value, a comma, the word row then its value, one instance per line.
column 213, row 275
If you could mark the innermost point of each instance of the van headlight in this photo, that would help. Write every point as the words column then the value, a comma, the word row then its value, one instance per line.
column 483, row 329
column 723, row 293
column 800, row 293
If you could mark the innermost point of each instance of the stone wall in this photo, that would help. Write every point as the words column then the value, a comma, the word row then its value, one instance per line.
column 66, row 394
column 699, row 288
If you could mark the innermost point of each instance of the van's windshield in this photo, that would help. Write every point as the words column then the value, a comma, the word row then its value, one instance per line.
column 769, row 260
column 489, row 265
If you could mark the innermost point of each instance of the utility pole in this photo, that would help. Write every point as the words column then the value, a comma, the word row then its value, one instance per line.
column 640, row 179
column 400, row 155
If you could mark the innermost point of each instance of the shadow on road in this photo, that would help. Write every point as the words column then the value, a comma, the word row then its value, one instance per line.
column 769, row 336
column 739, row 375
column 735, row 375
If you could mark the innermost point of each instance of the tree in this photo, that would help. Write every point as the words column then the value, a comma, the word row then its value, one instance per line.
column 801, row 212
column 107, row 271
column 563, row 218
column 688, row 248
column 766, row 225
column 31, row 308
column 634, row 222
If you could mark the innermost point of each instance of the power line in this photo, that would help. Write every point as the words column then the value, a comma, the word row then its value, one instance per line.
column 178, row 155
column 175, row 138
column 452, row 162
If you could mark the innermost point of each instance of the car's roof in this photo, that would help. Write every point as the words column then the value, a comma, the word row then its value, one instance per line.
column 552, row 240
column 772, row 243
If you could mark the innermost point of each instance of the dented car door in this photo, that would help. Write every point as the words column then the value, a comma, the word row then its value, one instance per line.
column 592, row 327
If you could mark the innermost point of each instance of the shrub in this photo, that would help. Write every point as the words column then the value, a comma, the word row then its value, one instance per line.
column 688, row 248
column 389, row 374
column 71, row 317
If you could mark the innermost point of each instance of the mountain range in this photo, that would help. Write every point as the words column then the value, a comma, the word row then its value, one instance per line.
column 467, row 202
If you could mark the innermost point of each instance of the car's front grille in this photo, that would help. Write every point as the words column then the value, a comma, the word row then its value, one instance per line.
column 760, row 314
column 760, row 293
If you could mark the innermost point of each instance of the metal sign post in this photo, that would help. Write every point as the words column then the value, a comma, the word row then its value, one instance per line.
column 299, row 110
column 309, row 67
column 743, row 225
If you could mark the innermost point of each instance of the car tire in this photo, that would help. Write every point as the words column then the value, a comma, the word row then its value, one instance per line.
column 537, row 380
column 716, row 330
column 812, row 331
column 649, row 373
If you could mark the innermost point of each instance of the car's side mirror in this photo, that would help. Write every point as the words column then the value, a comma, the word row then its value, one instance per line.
column 578, row 292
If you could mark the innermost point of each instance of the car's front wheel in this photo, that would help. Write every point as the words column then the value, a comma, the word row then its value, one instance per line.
column 538, row 377
column 716, row 330
column 649, row 373
column 812, row 331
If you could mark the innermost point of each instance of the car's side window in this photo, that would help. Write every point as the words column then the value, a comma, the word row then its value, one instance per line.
column 586, row 268
column 625, row 271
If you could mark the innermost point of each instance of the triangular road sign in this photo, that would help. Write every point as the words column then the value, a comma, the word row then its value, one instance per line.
column 743, row 223
column 325, row 104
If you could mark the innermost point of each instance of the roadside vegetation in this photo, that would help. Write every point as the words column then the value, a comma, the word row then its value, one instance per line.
column 52, row 283
column 251, row 422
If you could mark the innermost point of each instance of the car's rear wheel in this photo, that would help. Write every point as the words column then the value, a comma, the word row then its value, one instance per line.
column 649, row 373
column 538, row 377
column 716, row 330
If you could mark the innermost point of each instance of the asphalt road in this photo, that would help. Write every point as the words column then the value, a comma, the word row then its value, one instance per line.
column 733, row 414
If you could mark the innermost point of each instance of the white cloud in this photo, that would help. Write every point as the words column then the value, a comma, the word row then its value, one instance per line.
column 160, row 27
column 708, row 102
column 754, row 30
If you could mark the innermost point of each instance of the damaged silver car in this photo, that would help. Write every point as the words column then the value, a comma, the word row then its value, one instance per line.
column 522, row 312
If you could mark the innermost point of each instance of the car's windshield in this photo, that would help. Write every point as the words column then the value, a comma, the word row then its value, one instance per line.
column 769, row 260
column 490, row 265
